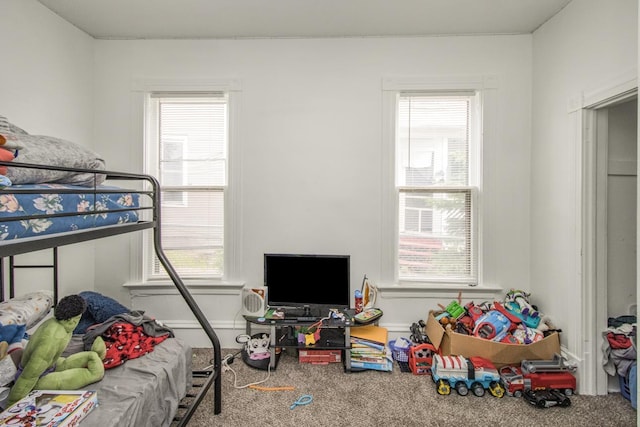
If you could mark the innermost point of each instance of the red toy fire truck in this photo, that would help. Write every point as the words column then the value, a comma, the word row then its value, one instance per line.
column 552, row 374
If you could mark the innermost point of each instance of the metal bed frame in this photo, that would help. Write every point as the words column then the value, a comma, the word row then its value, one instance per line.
column 9, row 248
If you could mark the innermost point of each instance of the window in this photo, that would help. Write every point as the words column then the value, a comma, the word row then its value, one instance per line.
column 187, row 150
column 434, row 142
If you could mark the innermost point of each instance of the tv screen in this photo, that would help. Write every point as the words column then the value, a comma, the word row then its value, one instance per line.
column 295, row 280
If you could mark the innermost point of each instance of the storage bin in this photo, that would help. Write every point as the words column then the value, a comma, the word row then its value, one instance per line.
column 624, row 387
column 400, row 354
column 628, row 386
column 633, row 386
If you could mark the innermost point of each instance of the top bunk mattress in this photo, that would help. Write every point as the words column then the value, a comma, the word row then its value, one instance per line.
column 32, row 210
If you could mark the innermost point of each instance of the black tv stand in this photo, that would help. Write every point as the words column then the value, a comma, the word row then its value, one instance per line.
column 283, row 334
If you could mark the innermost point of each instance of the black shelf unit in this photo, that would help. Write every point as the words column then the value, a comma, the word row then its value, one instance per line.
column 335, row 334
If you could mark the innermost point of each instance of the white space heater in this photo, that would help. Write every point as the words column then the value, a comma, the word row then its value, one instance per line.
column 254, row 301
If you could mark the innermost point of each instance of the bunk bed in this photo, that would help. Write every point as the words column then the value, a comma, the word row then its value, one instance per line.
column 134, row 206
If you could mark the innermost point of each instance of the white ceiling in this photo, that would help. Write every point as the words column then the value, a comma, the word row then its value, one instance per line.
column 182, row 19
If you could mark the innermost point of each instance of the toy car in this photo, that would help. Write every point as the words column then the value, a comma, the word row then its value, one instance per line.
column 474, row 374
column 546, row 398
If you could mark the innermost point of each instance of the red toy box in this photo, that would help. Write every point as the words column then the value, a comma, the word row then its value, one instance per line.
column 421, row 359
column 319, row 357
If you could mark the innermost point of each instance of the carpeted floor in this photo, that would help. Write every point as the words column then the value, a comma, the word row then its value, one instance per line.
column 372, row 398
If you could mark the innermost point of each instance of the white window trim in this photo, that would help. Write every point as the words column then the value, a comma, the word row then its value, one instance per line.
column 141, row 90
column 487, row 85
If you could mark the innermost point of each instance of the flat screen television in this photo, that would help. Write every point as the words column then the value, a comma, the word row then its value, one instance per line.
column 302, row 281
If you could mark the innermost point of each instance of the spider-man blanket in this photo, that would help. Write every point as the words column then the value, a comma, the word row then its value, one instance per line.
column 126, row 341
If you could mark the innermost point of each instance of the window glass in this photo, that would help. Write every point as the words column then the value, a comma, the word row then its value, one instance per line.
column 190, row 151
column 434, row 134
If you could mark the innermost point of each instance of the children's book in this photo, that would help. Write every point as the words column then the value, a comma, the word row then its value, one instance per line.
column 373, row 333
column 50, row 408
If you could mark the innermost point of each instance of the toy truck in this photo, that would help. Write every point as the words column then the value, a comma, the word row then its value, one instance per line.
column 534, row 375
column 463, row 374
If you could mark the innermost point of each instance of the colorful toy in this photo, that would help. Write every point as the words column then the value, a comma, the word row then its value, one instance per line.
column 517, row 302
column 492, row 325
column 524, row 335
column 454, row 310
column 516, row 381
column 43, row 368
column 554, row 374
column 474, row 311
column 309, row 335
column 463, row 374
column 369, row 315
column 369, row 293
column 421, row 359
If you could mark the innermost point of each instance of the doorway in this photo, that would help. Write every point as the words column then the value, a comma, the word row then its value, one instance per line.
column 615, row 200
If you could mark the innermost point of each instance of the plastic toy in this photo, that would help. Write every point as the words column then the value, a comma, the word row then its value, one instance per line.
column 368, row 315
column 552, row 374
column 463, row 374
column 418, row 334
column 517, row 302
column 492, row 325
column 474, row 311
column 454, row 310
column 524, row 335
column 557, row 364
column 516, row 382
column 546, row 398
column 369, row 293
column 309, row 338
column 421, row 359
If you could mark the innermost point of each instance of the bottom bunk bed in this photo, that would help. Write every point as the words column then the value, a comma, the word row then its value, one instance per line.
column 156, row 388
column 145, row 391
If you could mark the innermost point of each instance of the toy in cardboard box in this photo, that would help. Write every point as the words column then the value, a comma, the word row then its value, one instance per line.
column 501, row 332
column 449, row 342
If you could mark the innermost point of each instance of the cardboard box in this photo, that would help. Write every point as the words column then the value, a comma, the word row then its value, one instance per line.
column 501, row 354
column 319, row 357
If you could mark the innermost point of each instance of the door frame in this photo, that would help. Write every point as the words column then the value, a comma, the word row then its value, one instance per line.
column 591, row 129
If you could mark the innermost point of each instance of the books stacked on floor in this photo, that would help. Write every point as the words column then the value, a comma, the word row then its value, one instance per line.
column 369, row 348
column 50, row 408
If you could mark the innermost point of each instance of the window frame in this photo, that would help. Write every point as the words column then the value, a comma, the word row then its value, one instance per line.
column 232, row 193
column 485, row 87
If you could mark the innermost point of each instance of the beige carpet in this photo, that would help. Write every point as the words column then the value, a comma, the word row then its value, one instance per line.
column 373, row 398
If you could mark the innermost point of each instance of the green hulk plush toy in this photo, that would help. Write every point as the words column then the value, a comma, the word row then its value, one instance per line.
column 43, row 368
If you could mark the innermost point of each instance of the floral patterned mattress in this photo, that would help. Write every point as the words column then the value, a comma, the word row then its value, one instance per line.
column 89, row 210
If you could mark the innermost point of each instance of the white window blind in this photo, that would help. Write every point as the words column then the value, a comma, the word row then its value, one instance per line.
column 189, row 153
column 434, row 133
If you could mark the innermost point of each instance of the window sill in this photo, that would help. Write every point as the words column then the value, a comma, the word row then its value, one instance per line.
column 196, row 286
column 438, row 290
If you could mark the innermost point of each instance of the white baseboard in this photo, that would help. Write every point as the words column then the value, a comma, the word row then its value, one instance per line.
column 191, row 332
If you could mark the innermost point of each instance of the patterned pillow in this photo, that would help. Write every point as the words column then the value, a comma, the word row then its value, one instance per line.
column 27, row 310
column 47, row 150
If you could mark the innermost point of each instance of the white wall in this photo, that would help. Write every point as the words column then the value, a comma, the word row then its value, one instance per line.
column 46, row 88
column 310, row 135
column 587, row 47
column 621, row 208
